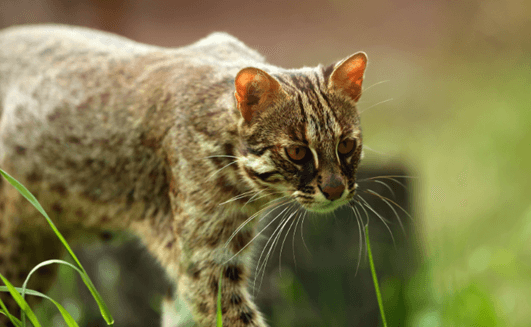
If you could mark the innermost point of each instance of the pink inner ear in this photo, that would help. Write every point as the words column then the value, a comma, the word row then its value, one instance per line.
column 255, row 90
column 243, row 83
column 348, row 77
column 355, row 70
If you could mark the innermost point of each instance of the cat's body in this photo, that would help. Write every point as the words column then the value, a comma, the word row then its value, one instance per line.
column 110, row 134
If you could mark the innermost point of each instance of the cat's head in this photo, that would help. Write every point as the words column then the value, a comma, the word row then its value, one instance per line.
column 300, row 131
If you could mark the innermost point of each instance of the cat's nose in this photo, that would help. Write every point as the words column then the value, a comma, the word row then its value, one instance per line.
column 332, row 187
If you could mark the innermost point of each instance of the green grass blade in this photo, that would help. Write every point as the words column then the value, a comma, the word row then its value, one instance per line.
column 46, row 263
column 70, row 321
column 106, row 314
column 21, row 302
column 12, row 318
column 374, row 277
column 42, row 264
column 219, row 320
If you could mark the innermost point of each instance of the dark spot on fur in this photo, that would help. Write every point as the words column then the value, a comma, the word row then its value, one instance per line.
column 233, row 273
column 1, row 261
column 73, row 139
column 54, row 116
column 226, row 188
column 193, row 271
column 106, row 236
column 2, row 240
column 173, row 187
column 59, row 188
column 57, row 208
column 70, row 164
column 228, row 149
column 79, row 213
column 203, row 307
column 247, row 315
column 130, row 199
column 240, row 240
column 84, row 105
column 148, row 141
column 169, row 245
column 235, row 299
column 214, row 286
column 105, row 98
column 34, row 177
column 213, row 239
column 46, row 52
column 20, row 150
column 105, row 219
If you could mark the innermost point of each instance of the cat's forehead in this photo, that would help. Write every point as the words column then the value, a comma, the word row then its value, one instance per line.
column 323, row 119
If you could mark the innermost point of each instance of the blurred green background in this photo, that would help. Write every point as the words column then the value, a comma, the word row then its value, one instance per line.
column 459, row 76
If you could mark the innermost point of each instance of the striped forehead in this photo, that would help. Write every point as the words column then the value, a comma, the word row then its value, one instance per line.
column 314, row 106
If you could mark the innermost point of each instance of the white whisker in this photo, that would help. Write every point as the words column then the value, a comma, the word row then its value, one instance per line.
column 374, row 105
column 366, row 204
column 377, row 83
column 293, row 239
column 302, row 235
column 284, row 241
column 390, row 206
column 217, row 171
column 254, row 216
column 270, row 239
column 237, row 197
column 251, row 241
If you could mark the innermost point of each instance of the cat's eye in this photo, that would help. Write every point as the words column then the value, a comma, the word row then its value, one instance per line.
column 298, row 154
column 346, row 147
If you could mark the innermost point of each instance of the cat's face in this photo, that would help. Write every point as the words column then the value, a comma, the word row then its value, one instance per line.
column 301, row 133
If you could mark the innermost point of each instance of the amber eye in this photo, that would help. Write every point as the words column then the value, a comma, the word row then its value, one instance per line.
column 297, row 153
column 346, row 147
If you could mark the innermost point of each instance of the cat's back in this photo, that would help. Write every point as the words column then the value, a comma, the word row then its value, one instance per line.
column 27, row 46
column 36, row 38
column 30, row 52
column 73, row 62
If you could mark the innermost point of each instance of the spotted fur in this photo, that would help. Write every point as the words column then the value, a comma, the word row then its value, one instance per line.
column 110, row 134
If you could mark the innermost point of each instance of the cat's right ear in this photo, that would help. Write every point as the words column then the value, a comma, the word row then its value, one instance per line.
column 255, row 90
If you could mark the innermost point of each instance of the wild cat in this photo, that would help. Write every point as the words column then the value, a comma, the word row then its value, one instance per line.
column 111, row 134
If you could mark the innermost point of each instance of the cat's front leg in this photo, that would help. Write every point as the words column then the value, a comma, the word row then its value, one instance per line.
column 207, row 256
column 199, row 286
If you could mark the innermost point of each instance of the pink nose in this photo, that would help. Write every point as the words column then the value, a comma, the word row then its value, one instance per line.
column 332, row 187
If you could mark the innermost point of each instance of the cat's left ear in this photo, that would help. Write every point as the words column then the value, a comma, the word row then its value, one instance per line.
column 255, row 91
column 347, row 76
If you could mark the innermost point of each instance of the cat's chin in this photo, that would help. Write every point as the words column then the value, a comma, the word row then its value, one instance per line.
column 325, row 207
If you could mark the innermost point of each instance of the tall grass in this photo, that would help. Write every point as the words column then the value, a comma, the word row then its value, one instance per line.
column 18, row 294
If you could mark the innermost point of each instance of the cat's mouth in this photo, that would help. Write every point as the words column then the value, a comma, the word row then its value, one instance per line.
column 328, row 206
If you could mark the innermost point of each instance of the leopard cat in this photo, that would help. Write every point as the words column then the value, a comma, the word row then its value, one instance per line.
column 183, row 147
